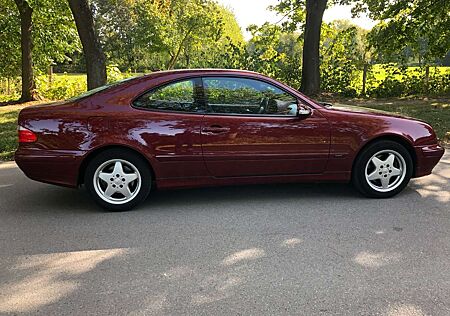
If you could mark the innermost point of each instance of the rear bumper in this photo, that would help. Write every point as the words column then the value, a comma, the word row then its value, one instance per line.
column 427, row 158
column 60, row 167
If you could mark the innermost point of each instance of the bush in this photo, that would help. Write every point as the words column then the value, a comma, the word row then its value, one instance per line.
column 403, row 81
column 61, row 87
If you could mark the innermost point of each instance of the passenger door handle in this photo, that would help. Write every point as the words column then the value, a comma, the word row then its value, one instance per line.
column 215, row 129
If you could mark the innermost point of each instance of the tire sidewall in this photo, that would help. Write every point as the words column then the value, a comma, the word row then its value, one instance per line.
column 138, row 162
column 359, row 177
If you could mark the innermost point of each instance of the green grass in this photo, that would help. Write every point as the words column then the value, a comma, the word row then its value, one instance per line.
column 435, row 112
column 8, row 131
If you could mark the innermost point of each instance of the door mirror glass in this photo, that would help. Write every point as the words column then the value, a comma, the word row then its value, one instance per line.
column 292, row 109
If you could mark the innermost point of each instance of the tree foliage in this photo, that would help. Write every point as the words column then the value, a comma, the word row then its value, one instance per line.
column 409, row 28
column 54, row 35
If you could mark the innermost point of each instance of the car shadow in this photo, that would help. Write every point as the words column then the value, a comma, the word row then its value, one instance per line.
column 66, row 200
column 53, row 199
column 260, row 192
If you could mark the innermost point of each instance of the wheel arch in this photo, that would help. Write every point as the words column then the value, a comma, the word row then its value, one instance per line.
column 92, row 154
column 392, row 137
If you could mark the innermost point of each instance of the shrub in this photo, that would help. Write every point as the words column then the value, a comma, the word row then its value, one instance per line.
column 61, row 87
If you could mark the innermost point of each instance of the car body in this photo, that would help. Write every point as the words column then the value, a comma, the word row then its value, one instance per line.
column 204, row 143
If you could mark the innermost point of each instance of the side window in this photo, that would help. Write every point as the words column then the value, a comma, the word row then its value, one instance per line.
column 178, row 96
column 247, row 96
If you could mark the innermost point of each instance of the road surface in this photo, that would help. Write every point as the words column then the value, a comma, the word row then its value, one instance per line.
column 304, row 249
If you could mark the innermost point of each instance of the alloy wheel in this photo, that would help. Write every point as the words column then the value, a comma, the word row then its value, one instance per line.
column 117, row 181
column 385, row 170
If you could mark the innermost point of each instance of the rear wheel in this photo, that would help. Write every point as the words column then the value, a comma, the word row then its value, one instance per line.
column 118, row 179
column 383, row 169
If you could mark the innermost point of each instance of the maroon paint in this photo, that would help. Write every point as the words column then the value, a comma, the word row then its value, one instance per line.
column 189, row 150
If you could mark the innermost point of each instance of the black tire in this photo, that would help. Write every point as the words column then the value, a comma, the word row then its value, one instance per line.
column 359, row 168
column 127, row 156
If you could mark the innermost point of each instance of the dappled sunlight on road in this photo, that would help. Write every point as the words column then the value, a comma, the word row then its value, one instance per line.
column 292, row 242
column 47, row 278
column 178, row 272
column 375, row 259
column 247, row 254
column 436, row 185
column 217, row 281
column 404, row 310
column 7, row 165
column 219, row 288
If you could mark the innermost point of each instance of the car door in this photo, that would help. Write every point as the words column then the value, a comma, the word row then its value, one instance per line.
column 252, row 129
column 170, row 127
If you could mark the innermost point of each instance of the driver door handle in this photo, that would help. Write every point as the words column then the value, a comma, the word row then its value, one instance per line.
column 215, row 129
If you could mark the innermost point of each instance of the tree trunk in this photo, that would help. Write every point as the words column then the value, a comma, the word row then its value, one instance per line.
column 93, row 53
column 311, row 62
column 364, row 79
column 427, row 79
column 29, row 92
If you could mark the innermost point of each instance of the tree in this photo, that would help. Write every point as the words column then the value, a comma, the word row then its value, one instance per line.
column 115, row 23
column 313, row 25
column 28, row 84
column 275, row 53
column 420, row 27
column 52, row 36
column 170, row 27
column 10, row 50
column 226, row 51
column 342, row 53
column 306, row 14
column 93, row 53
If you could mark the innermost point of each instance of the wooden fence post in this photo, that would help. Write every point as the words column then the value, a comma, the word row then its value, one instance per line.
column 50, row 74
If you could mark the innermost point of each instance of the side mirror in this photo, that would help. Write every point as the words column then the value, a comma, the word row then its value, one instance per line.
column 327, row 104
column 303, row 111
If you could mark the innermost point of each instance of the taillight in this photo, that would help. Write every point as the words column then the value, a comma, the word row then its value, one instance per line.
column 26, row 136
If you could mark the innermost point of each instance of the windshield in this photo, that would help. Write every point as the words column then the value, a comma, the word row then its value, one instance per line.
column 98, row 89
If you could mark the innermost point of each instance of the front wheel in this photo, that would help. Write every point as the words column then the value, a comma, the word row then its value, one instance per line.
column 118, row 180
column 383, row 169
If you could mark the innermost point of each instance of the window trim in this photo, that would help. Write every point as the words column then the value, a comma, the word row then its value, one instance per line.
column 167, row 83
column 205, row 99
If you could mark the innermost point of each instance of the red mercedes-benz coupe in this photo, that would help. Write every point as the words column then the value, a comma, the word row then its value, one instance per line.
column 191, row 128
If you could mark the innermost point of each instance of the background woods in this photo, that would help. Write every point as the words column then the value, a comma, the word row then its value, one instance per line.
column 47, row 46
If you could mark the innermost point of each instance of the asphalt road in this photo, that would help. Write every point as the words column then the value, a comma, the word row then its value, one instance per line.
column 303, row 249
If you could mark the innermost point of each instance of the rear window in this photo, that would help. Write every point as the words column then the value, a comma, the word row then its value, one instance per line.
column 179, row 96
column 99, row 89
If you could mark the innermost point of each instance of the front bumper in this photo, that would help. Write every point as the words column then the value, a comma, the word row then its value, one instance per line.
column 60, row 167
column 427, row 158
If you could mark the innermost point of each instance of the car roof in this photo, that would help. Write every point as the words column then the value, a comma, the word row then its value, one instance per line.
column 198, row 71
column 204, row 70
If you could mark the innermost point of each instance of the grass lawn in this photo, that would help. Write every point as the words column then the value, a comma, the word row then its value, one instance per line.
column 434, row 111
column 8, row 130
